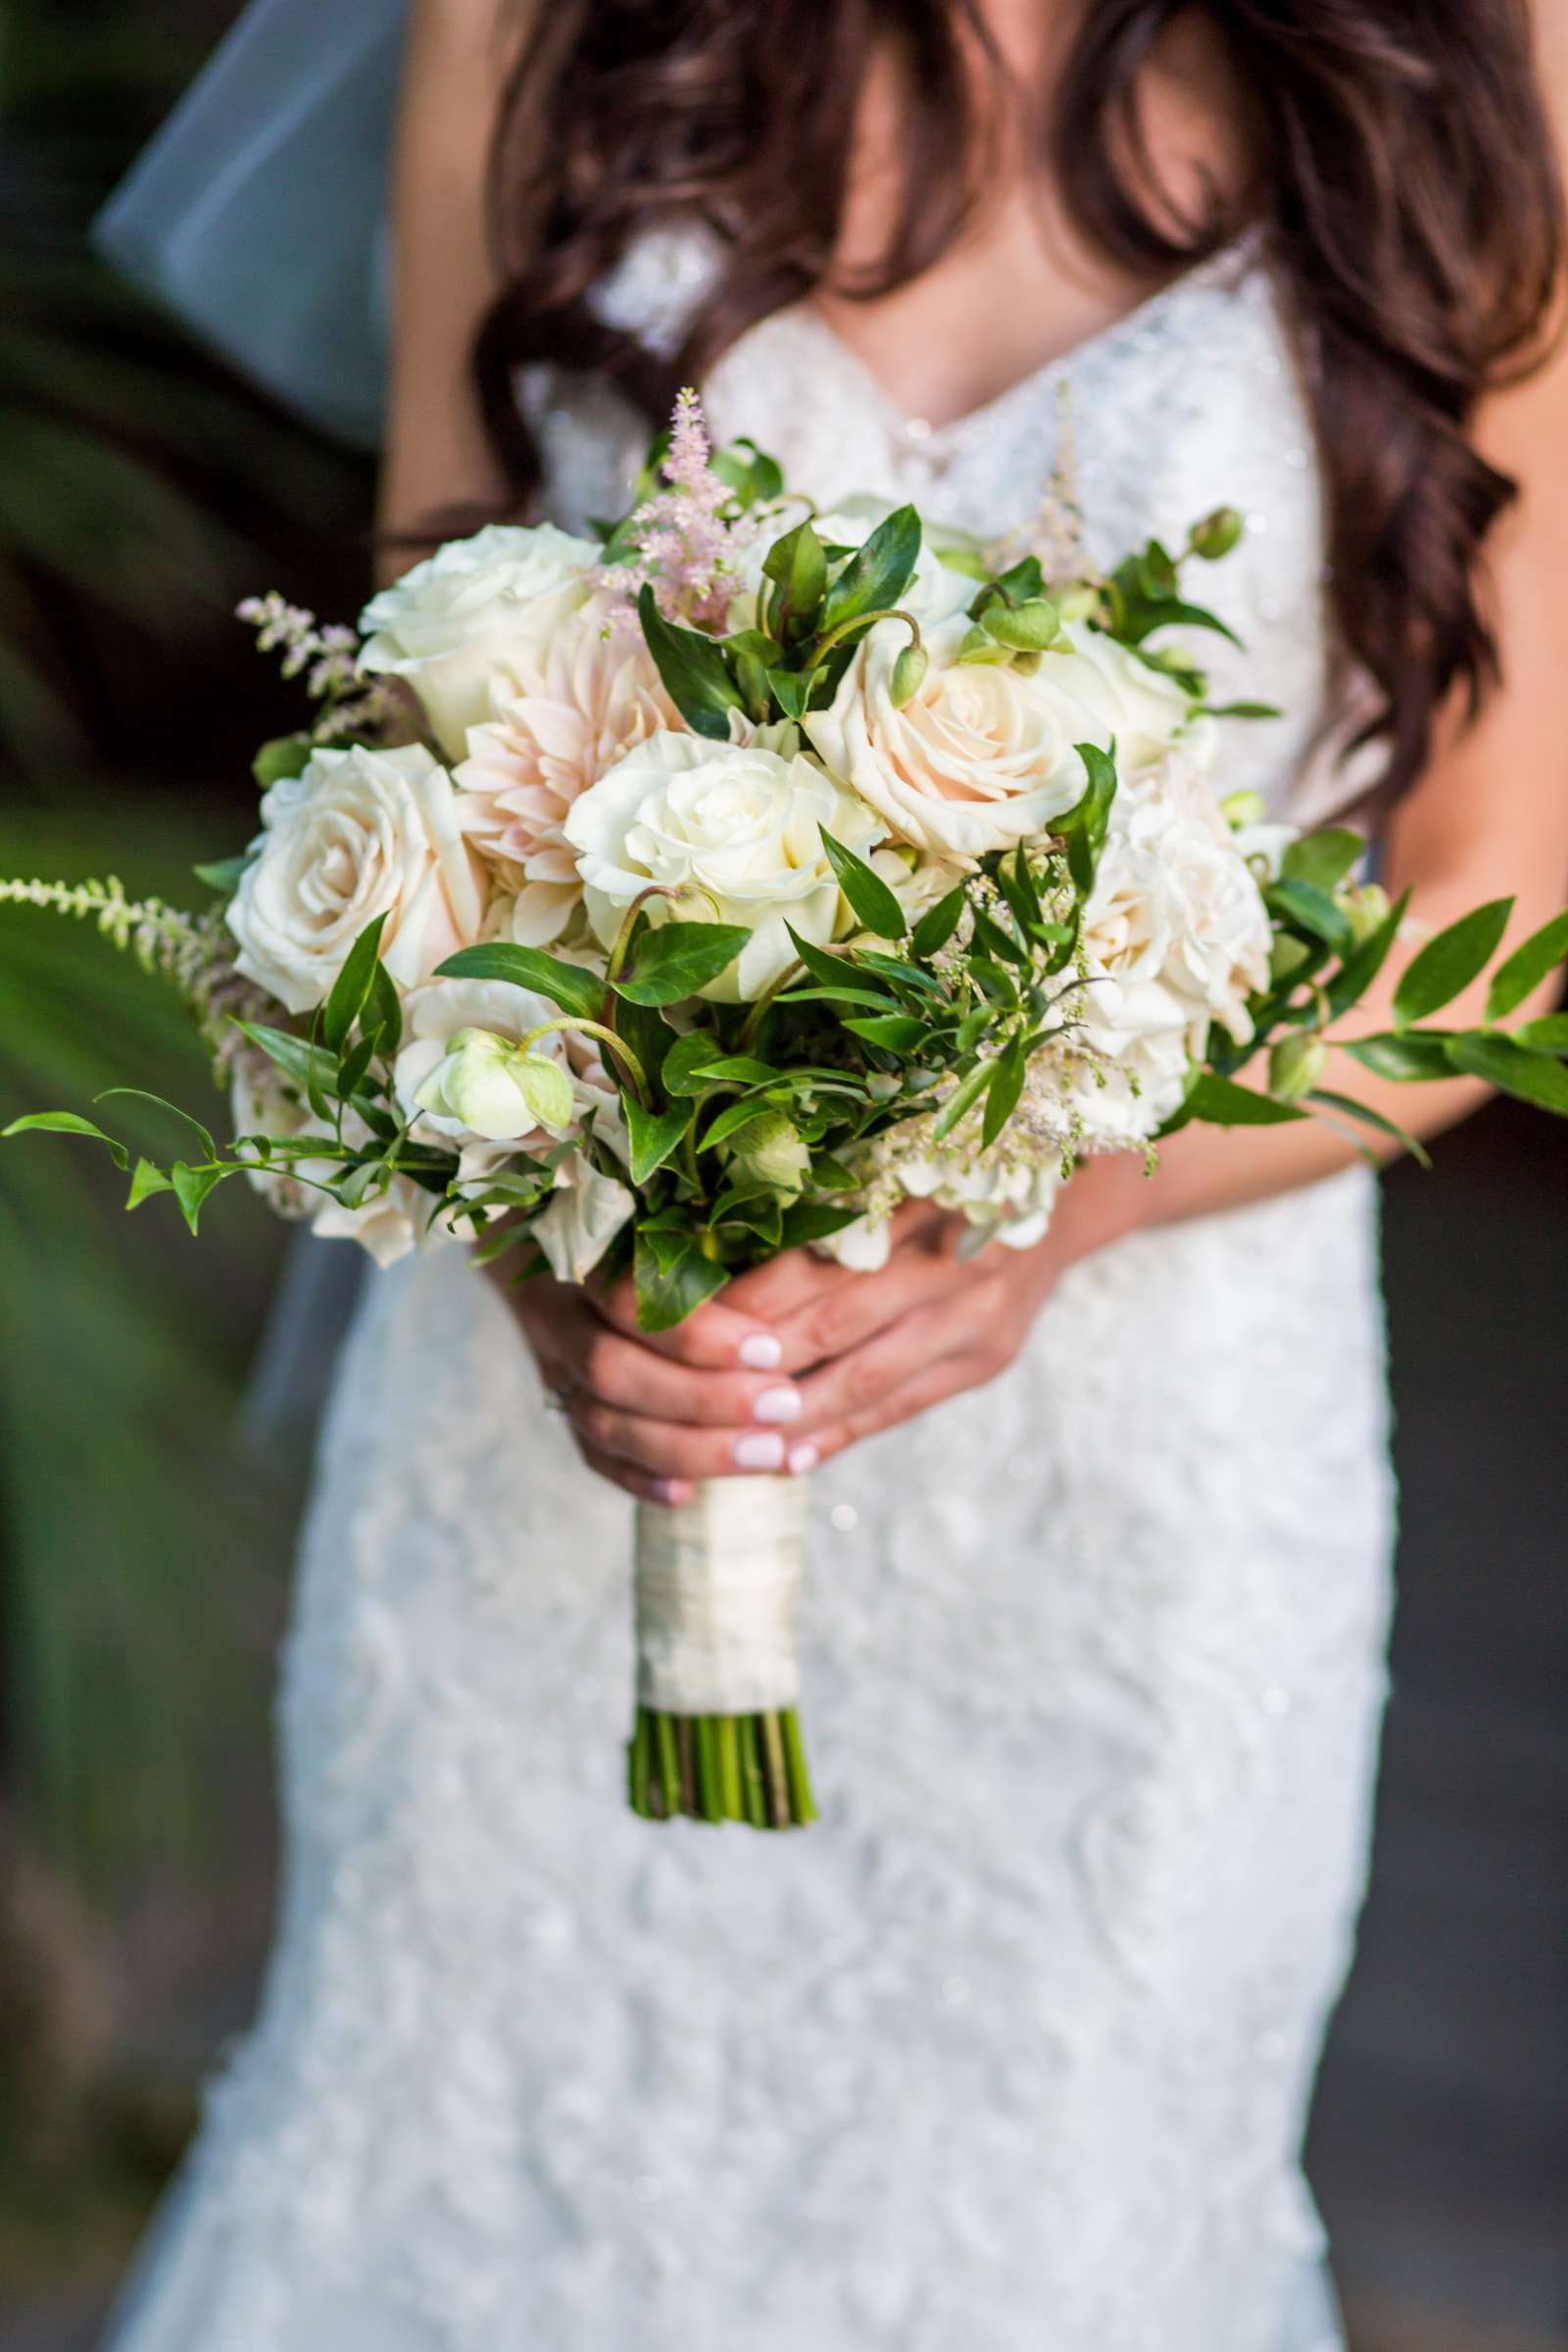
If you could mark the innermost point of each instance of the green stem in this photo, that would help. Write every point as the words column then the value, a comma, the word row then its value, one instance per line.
column 765, row 1004
column 623, row 1052
column 863, row 620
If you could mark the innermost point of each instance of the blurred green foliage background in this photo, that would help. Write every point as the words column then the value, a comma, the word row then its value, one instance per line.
column 142, row 492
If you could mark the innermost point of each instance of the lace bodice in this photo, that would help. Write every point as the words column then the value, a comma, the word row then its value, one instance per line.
column 1011, row 2052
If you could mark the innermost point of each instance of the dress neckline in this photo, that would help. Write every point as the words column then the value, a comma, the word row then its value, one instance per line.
column 1229, row 262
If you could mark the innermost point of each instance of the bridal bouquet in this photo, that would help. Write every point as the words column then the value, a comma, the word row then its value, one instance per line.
column 671, row 899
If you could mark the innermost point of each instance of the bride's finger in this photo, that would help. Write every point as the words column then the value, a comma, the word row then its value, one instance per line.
column 617, row 1371
column 789, row 1284
column 640, row 1483
column 846, row 1317
column 933, row 1385
column 928, row 1334
column 672, row 1449
column 717, row 1336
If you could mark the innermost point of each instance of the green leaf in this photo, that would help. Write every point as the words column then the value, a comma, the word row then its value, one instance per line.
column 146, row 1181
column 1322, row 858
column 382, row 1017
column 964, row 1098
column 191, row 1185
column 1548, row 1035
column 351, row 986
column 687, row 1058
column 312, row 1068
column 729, row 1122
column 679, row 959
column 812, row 1221
column 843, row 993
column 1085, row 822
column 1313, row 911
column 1362, row 965
column 1410, row 1057
column 1002, row 1094
column 654, row 1134
column 646, row 1034
column 938, row 924
column 1528, row 1077
column 284, row 755
column 997, row 942
column 224, row 874
column 1446, row 964
column 1352, row 1109
column 736, row 1070
column 669, row 1288
column 1224, row 1103
column 693, row 670
column 66, row 1122
column 1526, row 968
column 837, row 974
column 877, row 573
column 894, row 1031
column 139, row 1094
column 791, row 690
column 1243, row 710
column 1017, row 886
column 868, row 895
column 565, row 984
column 797, row 565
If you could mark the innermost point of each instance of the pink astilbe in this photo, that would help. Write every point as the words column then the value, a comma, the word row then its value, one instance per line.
column 686, row 545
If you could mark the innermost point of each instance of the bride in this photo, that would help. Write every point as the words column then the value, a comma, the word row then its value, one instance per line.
column 1014, row 2048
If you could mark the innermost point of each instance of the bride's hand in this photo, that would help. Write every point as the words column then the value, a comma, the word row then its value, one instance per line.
column 799, row 1359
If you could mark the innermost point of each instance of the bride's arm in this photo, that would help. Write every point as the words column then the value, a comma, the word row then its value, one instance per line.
column 436, row 456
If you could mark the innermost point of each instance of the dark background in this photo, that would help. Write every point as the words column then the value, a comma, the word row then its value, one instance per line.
column 145, row 1537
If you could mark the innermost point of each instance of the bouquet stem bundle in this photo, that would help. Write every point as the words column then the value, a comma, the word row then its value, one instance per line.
column 749, row 1768
column 717, row 1584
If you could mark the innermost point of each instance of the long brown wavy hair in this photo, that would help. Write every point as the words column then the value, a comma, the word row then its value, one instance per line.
column 1406, row 181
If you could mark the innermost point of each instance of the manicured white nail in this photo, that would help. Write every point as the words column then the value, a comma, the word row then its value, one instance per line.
column 762, row 1352
column 777, row 1405
column 803, row 1459
column 759, row 1450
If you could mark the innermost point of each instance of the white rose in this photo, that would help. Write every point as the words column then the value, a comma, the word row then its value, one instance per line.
column 982, row 757
column 1143, row 709
column 361, row 833
column 742, row 823
column 471, row 610
column 581, row 1218
column 1176, row 908
column 564, row 714
column 466, row 1093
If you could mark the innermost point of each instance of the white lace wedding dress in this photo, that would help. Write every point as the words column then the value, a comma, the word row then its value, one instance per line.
column 1011, row 2051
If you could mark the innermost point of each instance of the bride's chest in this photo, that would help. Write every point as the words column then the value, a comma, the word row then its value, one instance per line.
column 1191, row 402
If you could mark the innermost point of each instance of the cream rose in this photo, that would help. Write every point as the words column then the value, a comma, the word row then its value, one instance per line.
column 470, row 611
column 567, row 713
column 361, row 833
column 1143, row 709
column 741, row 822
column 981, row 758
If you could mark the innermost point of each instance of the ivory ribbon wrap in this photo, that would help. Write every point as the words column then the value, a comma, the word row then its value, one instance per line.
column 717, row 1581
